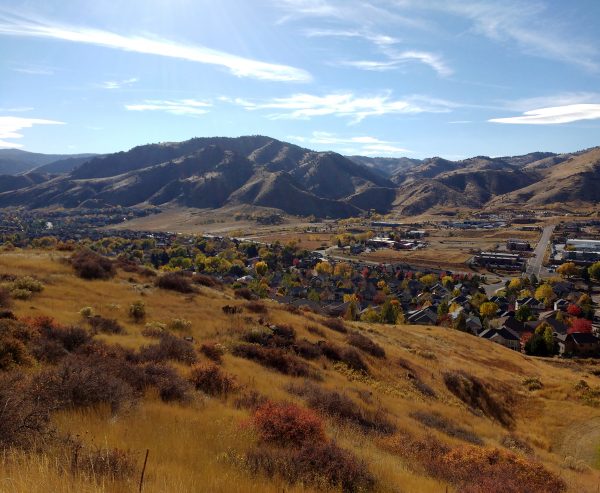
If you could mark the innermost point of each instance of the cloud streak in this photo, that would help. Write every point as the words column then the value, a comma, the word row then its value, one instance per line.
column 554, row 115
column 182, row 107
column 401, row 58
column 11, row 25
column 304, row 106
column 118, row 84
column 10, row 127
column 363, row 145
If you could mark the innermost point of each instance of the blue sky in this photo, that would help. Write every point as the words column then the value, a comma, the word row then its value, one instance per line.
column 412, row 78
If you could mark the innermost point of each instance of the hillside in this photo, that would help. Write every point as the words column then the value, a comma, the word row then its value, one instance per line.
column 15, row 161
column 420, row 393
column 258, row 171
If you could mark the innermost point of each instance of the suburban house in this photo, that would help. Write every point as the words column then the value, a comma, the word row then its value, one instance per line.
column 578, row 344
column 503, row 336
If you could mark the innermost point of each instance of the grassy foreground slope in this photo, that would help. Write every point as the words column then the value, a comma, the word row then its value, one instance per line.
column 434, row 393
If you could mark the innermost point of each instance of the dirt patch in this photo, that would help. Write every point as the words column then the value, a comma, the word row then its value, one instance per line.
column 582, row 442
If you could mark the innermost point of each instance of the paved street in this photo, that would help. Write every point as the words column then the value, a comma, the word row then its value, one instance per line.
column 534, row 266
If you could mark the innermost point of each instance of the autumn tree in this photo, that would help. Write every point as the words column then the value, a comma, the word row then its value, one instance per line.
column 324, row 268
column 429, row 279
column 515, row 284
column 568, row 269
column 488, row 309
column 594, row 271
column 261, row 268
column 580, row 325
column 343, row 269
column 574, row 310
column 545, row 294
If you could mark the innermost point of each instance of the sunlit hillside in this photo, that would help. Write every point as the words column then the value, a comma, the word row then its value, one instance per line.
column 379, row 408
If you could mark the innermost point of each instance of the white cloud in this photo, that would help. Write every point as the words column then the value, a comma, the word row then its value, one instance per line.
column 118, row 84
column 360, row 145
column 186, row 107
column 554, row 115
column 396, row 59
column 377, row 39
column 10, row 127
column 304, row 106
column 237, row 65
column 560, row 99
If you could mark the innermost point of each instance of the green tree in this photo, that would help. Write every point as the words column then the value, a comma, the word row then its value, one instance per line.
column 594, row 271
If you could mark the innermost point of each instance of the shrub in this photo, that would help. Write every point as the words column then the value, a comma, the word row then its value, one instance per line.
column 347, row 355
column 516, row 444
column 29, row 284
column 367, row 345
column 105, row 325
column 474, row 393
column 274, row 358
column 321, row 464
column 244, row 293
column 175, row 281
column 90, row 265
column 438, row 422
column 154, row 329
column 307, row 350
column 341, row 407
column 250, row 400
column 335, row 324
column 5, row 298
column 169, row 347
column 256, row 307
column 112, row 463
column 174, row 389
column 213, row 351
column 313, row 329
column 21, row 294
column 137, row 311
column 180, row 324
column 13, row 353
column 207, row 281
column 86, row 312
column 170, row 385
column 211, row 380
column 24, row 417
column 532, row 383
column 287, row 424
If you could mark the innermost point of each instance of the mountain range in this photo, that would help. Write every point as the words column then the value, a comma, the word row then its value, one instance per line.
column 212, row 173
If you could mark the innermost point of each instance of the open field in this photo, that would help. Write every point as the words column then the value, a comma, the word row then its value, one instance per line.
column 193, row 446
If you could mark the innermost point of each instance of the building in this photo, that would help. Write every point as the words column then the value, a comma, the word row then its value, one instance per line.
column 584, row 245
column 577, row 344
column 499, row 260
column 519, row 245
column 503, row 336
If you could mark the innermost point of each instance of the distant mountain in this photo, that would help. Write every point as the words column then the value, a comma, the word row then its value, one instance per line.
column 219, row 172
column 15, row 161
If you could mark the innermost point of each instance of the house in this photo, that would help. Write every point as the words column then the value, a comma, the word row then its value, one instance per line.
column 578, row 344
column 532, row 303
column 503, row 336
column 425, row 316
column 474, row 324
column 511, row 323
column 558, row 327
column 561, row 304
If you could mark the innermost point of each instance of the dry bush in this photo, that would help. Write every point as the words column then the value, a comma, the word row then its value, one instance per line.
column 335, row 324
column 287, row 424
column 14, row 337
column 475, row 469
column 175, row 281
column 211, row 380
column 307, row 350
column 81, row 381
column 250, row 399
column 53, row 341
column 170, row 385
column 475, row 394
column 341, row 407
column 5, row 298
column 105, row 325
column 100, row 463
column 532, row 383
column 24, row 417
column 516, row 444
column 90, row 265
column 421, row 386
column 213, row 351
column 322, row 465
column 365, row 344
column 154, row 330
column 346, row 355
column 244, row 293
column 313, row 329
column 169, row 347
column 438, row 422
column 207, row 281
column 274, row 358
column 256, row 307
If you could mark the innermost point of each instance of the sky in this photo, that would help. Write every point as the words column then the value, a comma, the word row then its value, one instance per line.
column 415, row 78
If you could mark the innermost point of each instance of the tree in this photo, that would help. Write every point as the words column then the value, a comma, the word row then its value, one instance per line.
column 594, row 271
column 477, row 299
column 343, row 269
column 488, row 309
column 324, row 268
column 523, row 313
column 442, row 309
column 137, row 311
column 580, row 325
column 261, row 268
column 544, row 293
column 574, row 310
column 460, row 322
column 568, row 269
column 370, row 315
column 429, row 279
column 541, row 343
column 352, row 311
column 515, row 284
column 390, row 311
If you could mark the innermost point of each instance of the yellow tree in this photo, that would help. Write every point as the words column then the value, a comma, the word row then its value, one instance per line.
column 544, row 293
column 515, row 284
column 261, row 268
column 488, row 309
column 568, row 269
column 429, row 279
column 324, row 268
column 342, row 269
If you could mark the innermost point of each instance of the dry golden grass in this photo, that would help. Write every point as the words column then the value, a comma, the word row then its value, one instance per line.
column 193, row 446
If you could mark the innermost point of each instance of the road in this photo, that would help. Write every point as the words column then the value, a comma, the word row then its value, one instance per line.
column 534, row 266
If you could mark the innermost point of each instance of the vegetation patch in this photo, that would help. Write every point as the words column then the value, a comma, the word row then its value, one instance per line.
column 365, row 344
column 274, row 358
column 438, row 422
column 90, row 265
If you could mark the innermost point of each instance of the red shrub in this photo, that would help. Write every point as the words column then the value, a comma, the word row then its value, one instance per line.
column 211, row 380
column 175, row 281
column 274, row 358
column 288, row 424
column 574, row 310
column 90, row 265
column 580, row 325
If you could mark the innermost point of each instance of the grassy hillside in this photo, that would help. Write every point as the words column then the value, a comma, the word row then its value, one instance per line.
column 418, row 414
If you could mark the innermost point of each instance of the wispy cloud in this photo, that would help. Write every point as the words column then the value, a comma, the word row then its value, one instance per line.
column 559, row 99
column 14, row 25
column 34, row 70
column 363, row 145
column 186, row 107
column 118, row 84
column 397, row 59
column 17, row 109
column 375, row 38
column 554, row 115
column 304, row 106
column 10, row 127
